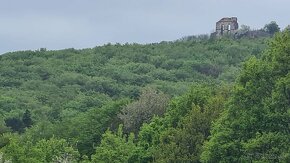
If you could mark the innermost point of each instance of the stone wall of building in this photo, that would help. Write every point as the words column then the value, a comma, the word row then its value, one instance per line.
column 227, row 26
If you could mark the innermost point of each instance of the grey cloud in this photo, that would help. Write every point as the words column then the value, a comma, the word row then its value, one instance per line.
column 57, row 24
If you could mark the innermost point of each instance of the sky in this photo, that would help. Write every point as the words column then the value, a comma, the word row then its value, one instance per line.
column 60, row 24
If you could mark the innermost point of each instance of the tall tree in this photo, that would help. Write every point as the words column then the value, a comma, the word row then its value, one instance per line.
column 26, row 119
column 272, row 27
column 255, row 126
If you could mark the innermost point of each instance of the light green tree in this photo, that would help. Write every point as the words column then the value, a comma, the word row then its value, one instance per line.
column 115, row 148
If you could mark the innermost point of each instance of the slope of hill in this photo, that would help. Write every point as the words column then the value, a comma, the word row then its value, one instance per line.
column 73, row 96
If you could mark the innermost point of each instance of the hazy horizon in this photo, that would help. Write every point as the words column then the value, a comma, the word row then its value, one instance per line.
column 34, row 24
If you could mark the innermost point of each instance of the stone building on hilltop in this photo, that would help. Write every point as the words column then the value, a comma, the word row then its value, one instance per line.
column 227, row 26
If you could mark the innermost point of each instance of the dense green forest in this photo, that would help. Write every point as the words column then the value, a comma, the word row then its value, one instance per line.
column 196, row 99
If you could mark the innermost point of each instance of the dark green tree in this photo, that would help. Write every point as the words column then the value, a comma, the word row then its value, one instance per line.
column 26, row 119
column 272, row 27
column 287, row 28
column 15, row 124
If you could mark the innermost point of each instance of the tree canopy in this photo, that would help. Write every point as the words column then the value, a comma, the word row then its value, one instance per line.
column 255, row 125
column 196, row 99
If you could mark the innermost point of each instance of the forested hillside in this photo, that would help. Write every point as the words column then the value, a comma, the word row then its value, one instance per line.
column 190, row 100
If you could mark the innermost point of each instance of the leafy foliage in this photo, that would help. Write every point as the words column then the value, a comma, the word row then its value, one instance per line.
column 67, row 105
column 21, row 151
column 272, row 27
column 255, row 125
column 151, row 103
column 115, row 148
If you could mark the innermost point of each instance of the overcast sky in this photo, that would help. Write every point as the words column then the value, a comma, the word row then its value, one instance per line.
column 59, row 24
